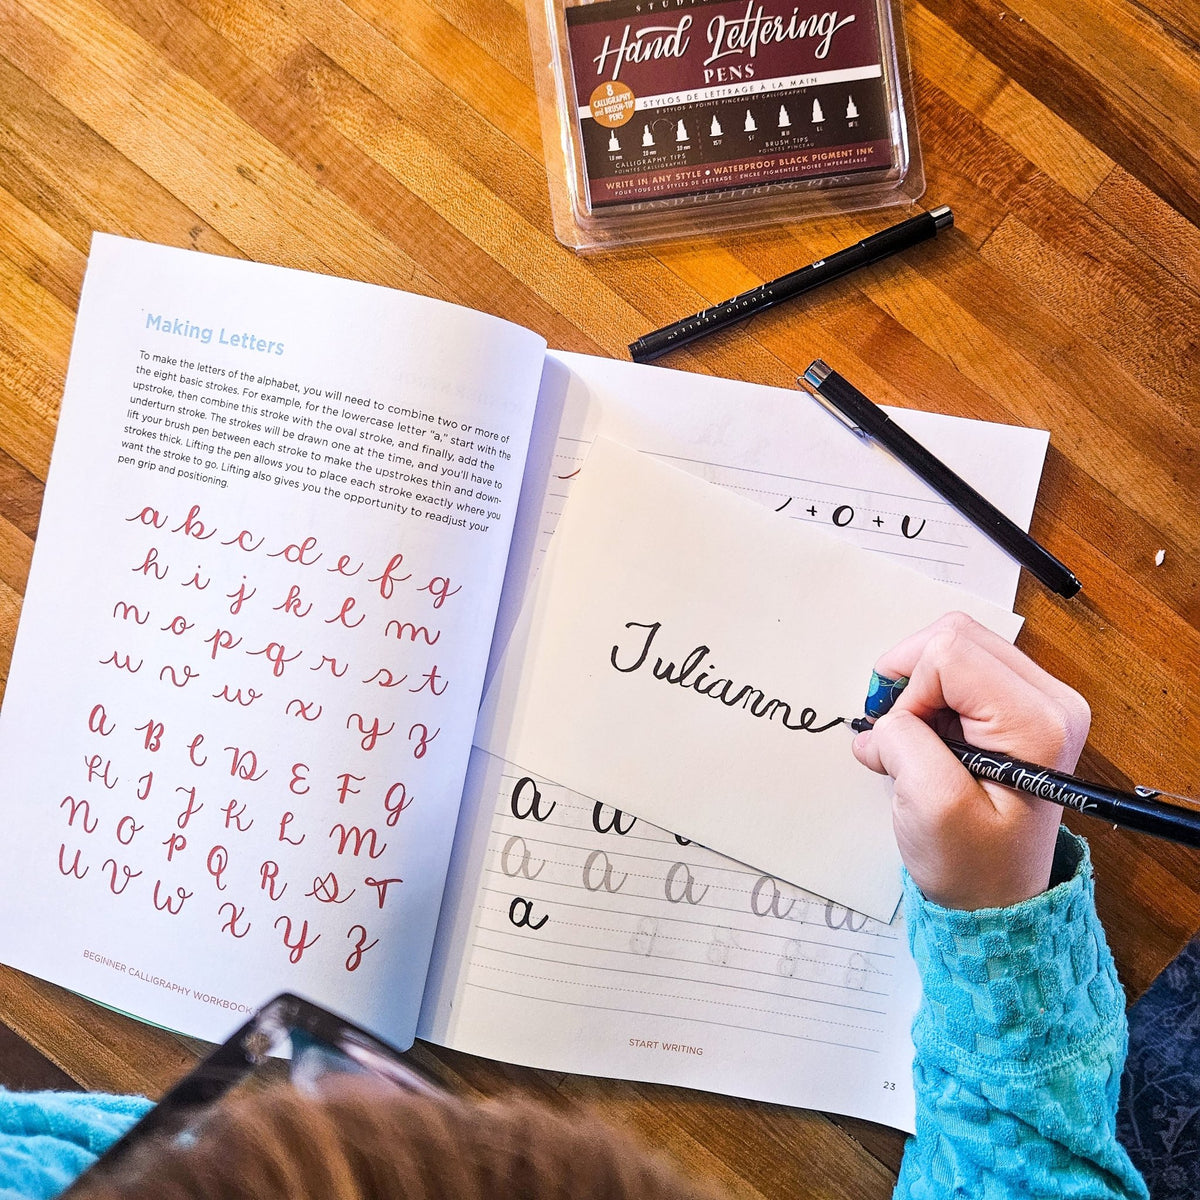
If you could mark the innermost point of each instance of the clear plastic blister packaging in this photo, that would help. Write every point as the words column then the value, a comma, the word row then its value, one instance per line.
column 662, row 119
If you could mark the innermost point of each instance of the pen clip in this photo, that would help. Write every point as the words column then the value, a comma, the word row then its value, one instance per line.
column 833, row 410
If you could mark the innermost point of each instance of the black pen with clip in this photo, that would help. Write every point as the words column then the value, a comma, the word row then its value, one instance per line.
column 766, row 295
column 868, row 420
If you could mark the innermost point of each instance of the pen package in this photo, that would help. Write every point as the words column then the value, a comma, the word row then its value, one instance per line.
column 662, row 119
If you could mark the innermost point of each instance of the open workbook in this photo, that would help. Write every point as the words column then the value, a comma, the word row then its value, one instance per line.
column 289, row 521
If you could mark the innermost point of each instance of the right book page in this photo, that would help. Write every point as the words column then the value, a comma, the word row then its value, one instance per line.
column 574, row 937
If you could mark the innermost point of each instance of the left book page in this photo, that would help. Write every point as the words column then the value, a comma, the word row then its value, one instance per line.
column 241, row 700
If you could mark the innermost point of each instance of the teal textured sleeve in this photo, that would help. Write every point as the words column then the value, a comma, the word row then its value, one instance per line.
column 48, row 1138
column 1020, row 1040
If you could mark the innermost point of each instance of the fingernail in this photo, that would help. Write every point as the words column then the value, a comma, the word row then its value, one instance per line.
column 882, row 694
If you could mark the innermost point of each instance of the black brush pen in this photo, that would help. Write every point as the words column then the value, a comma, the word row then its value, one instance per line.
column 868, row 420
column 1143, row 809
column 870, row 250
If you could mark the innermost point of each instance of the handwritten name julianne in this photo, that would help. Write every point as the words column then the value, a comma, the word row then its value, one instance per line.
column 701, row 681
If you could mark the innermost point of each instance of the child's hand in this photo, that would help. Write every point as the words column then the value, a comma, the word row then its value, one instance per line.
column 966, row 843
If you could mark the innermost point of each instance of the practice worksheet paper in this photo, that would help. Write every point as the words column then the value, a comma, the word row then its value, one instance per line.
column 688, row 657
column 575, row 936
column 241, row 700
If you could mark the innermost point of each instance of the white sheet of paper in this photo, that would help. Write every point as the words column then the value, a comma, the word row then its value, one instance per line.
column 649, row 565
column 237, row 720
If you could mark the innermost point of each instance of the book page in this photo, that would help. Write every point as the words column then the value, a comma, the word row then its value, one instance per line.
column 240, row 705
column 744, row 992
column 689, row 657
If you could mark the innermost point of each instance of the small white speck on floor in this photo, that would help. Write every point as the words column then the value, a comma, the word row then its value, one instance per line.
column 1158, row 558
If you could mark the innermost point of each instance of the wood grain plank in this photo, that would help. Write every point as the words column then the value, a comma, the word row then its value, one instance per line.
column 1112, row 117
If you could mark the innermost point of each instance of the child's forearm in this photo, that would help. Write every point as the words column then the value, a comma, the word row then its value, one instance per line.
column 1020, row 1041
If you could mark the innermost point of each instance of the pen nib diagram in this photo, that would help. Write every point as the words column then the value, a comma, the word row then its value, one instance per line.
column 647, row 136
column 784, row 120
column 851, row 110
column 714, row 129
column 750, row 126
column 818, row 115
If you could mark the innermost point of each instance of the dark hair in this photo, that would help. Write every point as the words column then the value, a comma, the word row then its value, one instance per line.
column 366, row 1141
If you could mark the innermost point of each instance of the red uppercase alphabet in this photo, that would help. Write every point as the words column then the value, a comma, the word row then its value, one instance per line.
column 344, row 615
column 439, row 588
column 235, row 915
column 388, row 578
column 73, row 869
column 92, row 762
column 98, row 721
column 360, row 947
column 234, row 811
column 190, row 809
column 394, row 810
column 150, row 516
column 175, row 842
column 298, row 552
column 381, row 886
column 192, row 526
column 284, row 822
column 171, row 905
column 193, row 746
column 244, row 764
column 297, row 778
column 127, row 830
column 269, row 876
column 301, row 944
column 327, row 890
column 110, row 865
column 176, row 681
column 370, row 734
column 77, row 806
column 150, row 563
column 122, row 664
column 144, row 784
column 360, row 837
column 154, row 731
column 345, row 789
column 342, row 563
column 218, row 861
column 239, row 597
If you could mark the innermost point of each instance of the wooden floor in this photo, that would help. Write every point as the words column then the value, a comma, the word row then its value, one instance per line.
column 397, row 141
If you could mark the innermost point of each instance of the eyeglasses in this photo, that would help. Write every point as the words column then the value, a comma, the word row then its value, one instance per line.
column 288, row 1039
